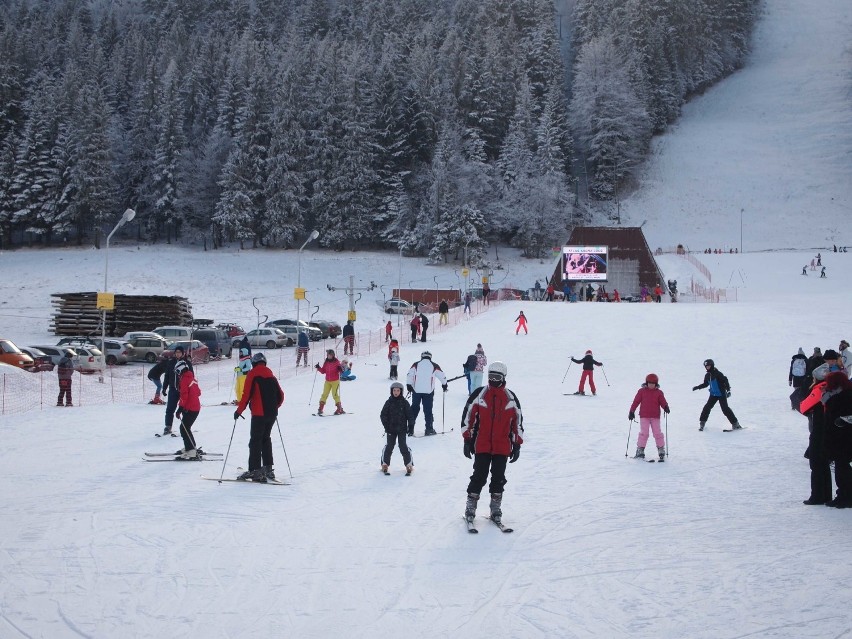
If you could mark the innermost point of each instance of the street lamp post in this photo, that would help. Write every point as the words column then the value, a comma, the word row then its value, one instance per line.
column 128, row 215
column 299, row 293
column 741, row 229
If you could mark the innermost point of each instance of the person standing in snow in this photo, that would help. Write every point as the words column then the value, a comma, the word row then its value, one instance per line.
column 658, row 294
column 492, row 429
column 394, row 417
column 798, row 378
column 189, row 406
column 170, row 384
column 424, row 326
column 650, row 399
column 805, row 269
column 468, row 367
column 65, row 375
column 154, row 375
column 349, row 338
column 415, row 328
column 304, row 345
column 332, row 369
column 241, row 370
column 467, row 299
column 443, row 313
column 845, row 357
column 822, row 272
column 837, row 400
column 475, row 374
column 420, row 382
column 589, row 363
column 264, row 395
column 720, row 391
column 521, row 319
column 393, row 358
column 388, row 331
column 816, row 453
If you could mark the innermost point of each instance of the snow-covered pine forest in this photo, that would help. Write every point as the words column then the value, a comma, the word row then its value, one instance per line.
column 428, row 126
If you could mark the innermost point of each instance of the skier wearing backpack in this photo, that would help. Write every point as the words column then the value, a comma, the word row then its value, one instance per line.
column 798, row 378
column 720, row 391
column 650, row 399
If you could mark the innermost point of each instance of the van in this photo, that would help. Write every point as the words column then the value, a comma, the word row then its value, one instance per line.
column 217, row 340
column 174, row 333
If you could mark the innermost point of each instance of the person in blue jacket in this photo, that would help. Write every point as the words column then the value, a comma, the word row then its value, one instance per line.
column 720, row 391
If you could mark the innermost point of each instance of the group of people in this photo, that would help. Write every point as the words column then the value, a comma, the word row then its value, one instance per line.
column 816, row 262
column 822, row 392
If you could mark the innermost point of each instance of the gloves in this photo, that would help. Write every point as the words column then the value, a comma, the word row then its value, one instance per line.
column 164, row 393
column 179, row 413
column 317, row 366
column 409, row 388
column 468, row 448
column 666, row 410
column 695, row 388
column 445, row 387
column 727, row 393
column 631, row 416
column 237, row 415
column 516, row 452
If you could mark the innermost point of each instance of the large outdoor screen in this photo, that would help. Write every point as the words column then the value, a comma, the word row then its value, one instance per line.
column 584, row 262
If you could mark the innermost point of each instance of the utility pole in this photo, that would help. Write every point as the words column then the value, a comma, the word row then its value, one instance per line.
column 350, row 291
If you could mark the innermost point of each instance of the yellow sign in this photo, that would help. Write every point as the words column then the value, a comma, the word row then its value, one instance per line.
column 485, row 279
column 350, row 316
column 106, row 302
column 465, row 272
column 299, row 293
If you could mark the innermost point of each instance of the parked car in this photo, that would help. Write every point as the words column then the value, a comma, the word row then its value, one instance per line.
column 328, row 328
column 55, row 353
column 198, row 353
column 117, row 350
column 397, row 306
column 43, row 362
column 134, row 334
column 234, row 331
column 86, row 359
column 271, row 337
column 12, row 355
column 314, row 334
column 148, row 349
column 173, row 333
column 216, row 340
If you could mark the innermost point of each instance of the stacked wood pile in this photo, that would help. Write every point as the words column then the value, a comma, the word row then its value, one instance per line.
column 77, row 313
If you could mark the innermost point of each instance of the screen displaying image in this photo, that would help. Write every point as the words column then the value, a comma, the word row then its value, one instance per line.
column 584, row 262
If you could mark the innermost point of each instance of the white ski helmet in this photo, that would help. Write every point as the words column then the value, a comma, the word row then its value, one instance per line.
column 497, row 368
column 426, row 355
column 180, row 367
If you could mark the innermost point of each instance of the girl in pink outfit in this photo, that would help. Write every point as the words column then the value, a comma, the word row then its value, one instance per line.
column 650, row 399
column 522, row 324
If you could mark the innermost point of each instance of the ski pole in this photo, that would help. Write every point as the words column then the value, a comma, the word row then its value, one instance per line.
column 566, row 372
column 287, row 459
column 629, row 430
column 604, row 372
column 311, row 398
column 443, row 412
column 667, row 433
column 228, row 452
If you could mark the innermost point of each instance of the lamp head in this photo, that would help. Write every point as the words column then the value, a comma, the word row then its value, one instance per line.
column 314, row 234
column 129, row 214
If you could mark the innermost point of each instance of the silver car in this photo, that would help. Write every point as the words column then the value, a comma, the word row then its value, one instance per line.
column 148, row 349
column 270, row 337
column 117, row 351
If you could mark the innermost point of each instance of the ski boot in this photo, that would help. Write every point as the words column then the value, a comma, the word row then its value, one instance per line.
column 640, row 453
column 496, row 510
column 268, row 473
column 736, row 426
column 253, row 475
column 339, row 410
column 190, row 455
column 409, row 469
column 470, row 506
column 580, row 393
column 319, row 410
column 385, row 469
column 167, row 431
column 701, row 425
column 661, row 451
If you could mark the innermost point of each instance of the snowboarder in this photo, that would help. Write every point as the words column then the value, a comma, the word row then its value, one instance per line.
column 65, row 374
column 349, row 338
column 154, row 375
column 189, row 406
column 264, row 396
column 521, row 319
column 394, row 418
column 589, row 363
column 650, row 399
column 720, row 391
column 393, row 358
column 798, row 378
column 241, row 370
column 492, row 428
column 424, row 326
column 304, row 345
column 331, row 368
column 420, row 382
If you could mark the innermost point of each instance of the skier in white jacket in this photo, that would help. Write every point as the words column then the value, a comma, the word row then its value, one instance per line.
column 420, row 382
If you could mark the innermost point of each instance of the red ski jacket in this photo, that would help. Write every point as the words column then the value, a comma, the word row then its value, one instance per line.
column 262, row 392
column 649, row 401
column 494, row 420
column 190, row 392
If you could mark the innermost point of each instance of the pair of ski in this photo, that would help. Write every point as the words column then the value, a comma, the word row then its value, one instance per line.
column 330, row 414
column 472, row 529
column 175, row 457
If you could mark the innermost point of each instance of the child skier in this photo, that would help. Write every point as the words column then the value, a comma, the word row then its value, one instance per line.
column 331, row 368
column 394, row 418
column 189, row 405
column 388, row 331
column 720, row 390
column 521, row 319
column 241, row 370
column 346, row 371
column 650, row 399
column 393, row 358
column 589, row 364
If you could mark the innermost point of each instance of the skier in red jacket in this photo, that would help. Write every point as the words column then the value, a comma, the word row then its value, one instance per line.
column 650, row 399
column 492, row 427
column 189, row 406
column 264, row 394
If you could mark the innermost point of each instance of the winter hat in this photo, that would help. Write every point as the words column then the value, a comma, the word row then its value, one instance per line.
column 258, row 358
column 179, row 348
column 830, row 354
column 844, row 344
column 801, row 352
column 651, row 378
column 479, row 348
column 589, row 352
column 817, row 351
column 244, row 351
column 397, row 385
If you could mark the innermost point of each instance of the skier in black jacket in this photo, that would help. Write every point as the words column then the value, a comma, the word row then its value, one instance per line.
column 394, row 418
column 589, row 364
column 720, row 391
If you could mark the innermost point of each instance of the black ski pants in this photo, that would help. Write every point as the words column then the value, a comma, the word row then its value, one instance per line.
column 260, row 442
column 171, row 406
column 723, row 402
column 843, row 477
column 392, row 440
column 188, row 418
column 482, row 462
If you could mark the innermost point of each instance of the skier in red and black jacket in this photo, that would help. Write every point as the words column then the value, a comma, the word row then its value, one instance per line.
column 264, row 394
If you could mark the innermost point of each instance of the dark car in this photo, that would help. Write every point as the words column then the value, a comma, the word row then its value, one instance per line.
column 328, row 328
column 234, row 331
column 215, row 339
column 43, row 362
